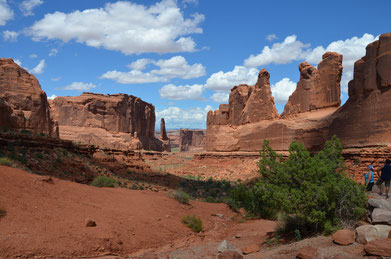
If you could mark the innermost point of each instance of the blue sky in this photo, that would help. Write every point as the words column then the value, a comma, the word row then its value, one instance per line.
column 183, row 56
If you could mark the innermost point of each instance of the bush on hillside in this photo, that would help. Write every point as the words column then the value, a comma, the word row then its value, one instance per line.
column 5, row 161
column 181, row 197
column 192, row 222
column 312, row 192
column 2, row 213
column 104, row 181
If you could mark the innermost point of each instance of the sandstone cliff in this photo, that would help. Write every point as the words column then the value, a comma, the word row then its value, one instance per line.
column 317, row 88
column 247, row 104
column 163, row 136
column 312, row 114
column 23, row 104
column 191, row 140
column 116, row 121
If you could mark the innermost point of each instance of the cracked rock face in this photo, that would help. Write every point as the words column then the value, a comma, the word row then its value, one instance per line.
column 23, row 101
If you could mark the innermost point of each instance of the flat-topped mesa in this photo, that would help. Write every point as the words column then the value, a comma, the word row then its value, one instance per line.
column 317, row 88
column 247, row 104
column 117, row 120
column 27, row 103
column 365, row 119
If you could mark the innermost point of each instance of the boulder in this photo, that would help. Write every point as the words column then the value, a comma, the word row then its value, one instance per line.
column 229, row 255
column 318, row 88
column 253, row 248
column 344, row 237
column 108, row 121
column 380, row 203
column 225, row 246
column 379, row 247
column 367, row 233
column 307, row 252
column 23, row 104
column 381, row 216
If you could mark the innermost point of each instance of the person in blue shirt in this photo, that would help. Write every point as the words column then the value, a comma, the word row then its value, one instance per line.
column 385, row 177
column 369, row 182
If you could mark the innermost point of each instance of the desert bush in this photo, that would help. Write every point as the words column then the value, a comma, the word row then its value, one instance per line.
column 313, row 191
column 181, row 196
column 2, row 213
column 192, row 222
column 5, row 161
column 24, row 131
column 104, row 181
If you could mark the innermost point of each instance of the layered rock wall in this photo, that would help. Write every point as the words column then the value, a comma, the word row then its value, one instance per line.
column 312, row 114
column 117, row 121
column 191, row 139
column 23, row 103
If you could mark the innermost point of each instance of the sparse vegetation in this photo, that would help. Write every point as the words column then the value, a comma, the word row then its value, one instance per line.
column 193, row 222
column 5, row 161
column 181, row 196
column 312, row 192
column 104, row 181
column 2, row 213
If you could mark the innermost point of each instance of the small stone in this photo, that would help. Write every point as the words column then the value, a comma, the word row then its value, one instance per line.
column 253, row 248
column 344, row 237
column 307, row 252
column 225, row 246
column 90, row 223
column 230, row 255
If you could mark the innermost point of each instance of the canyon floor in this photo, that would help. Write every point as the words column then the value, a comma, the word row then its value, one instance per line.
column 46, row 218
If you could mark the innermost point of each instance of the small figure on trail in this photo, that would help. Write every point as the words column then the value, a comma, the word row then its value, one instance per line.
column 385, row 177
column 369, row 182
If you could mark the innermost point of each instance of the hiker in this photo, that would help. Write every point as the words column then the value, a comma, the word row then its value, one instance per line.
column 369, row 182
column 385, row 177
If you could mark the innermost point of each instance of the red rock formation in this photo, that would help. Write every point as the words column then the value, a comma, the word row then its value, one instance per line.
column 247, row 104
column 190, row 139
column 117, row 121
column 22, row 93
column 365, row 119
column 163, row 136
column 317, row 88
column 312, row 115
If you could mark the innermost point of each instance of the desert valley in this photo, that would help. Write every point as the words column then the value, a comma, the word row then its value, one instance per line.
column 110, row 176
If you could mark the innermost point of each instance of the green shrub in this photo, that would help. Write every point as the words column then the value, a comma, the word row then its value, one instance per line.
column 5, row 161
column 313, row 190
column 2, row 213
column 4, row 129
column 192, row 222
column 181, row 196
column 104, row 181
column 24, row 131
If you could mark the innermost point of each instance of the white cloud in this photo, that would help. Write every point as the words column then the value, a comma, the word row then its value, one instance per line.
column 271, row 37
column 53, row 96
column 185, row 92
column 159, row 28
column 220, row 97
column 17, row 61
column 175, row 67
column 280, row 53
column 6, row 13
column 79, row 86
column 33, row 55
column 53, row 52
column 56, row 79
column 225, row 81
column 188, row 2
column 282, row 90
column 39, row 68
column 184, row 118
column 10, row 35
column 27, row 6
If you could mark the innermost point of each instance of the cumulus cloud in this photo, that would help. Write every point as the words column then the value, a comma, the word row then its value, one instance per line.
column 56, row 79
column 180, row 92
column 10, row 35
column 271, row 37
column 282, row 90
column 175, row 67
column 280, row 53
column 6, row 12
column 27, row 6
column 79, row 86
column 53, row 52
column 221, row 81
column 33, row 55
column 39, row 68
column 159, row 28
column 220, row 97
column 52, row 97
column 17, row 61
column 184, row 118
